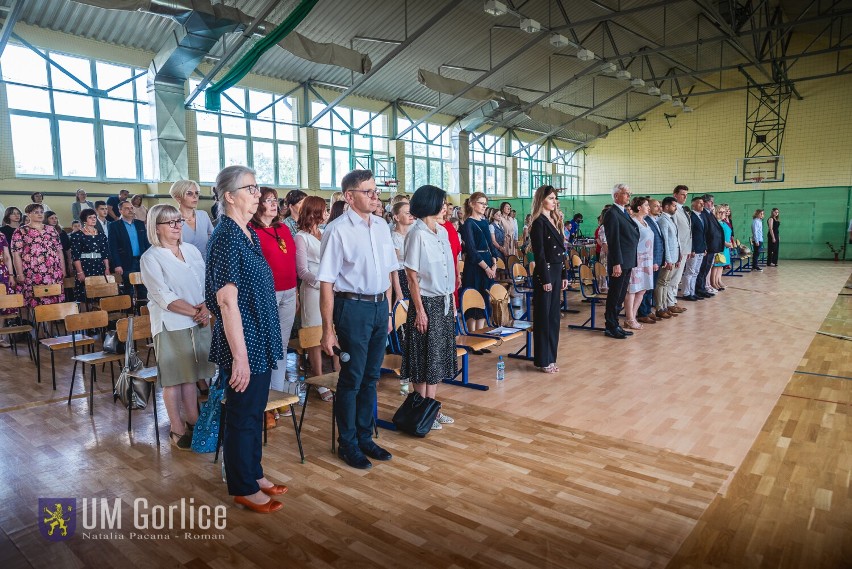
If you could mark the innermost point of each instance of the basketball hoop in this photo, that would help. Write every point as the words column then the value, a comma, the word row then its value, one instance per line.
column 755, row 182
column 391, row 183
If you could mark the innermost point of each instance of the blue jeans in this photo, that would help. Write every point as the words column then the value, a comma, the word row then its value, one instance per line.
column 362, row 332
column 243, row 440
column 647, row 305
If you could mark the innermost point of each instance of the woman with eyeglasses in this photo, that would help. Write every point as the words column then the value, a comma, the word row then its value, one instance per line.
column 480, row 267
column 173, row 273
column 89, row 253
column 197, row 227
column 37, row 255
column 240, row 292
column 279, row 250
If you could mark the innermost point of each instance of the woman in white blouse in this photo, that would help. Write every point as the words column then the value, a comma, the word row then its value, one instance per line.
column 429, row 346
column 197, row 226
column 173, row 273
column 313, row 213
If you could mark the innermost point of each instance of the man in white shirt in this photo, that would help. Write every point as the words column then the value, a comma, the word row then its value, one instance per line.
column 356, row 261
column 102, row 209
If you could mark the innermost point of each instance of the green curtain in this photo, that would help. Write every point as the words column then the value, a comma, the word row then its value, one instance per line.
column 213, row 94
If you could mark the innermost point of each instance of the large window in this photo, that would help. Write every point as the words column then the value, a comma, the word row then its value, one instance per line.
column 254, row 128
column 533, row 171
column 428, row 156
column 349, row 139
column 75, row 117
column 568, row 169
column 487, row 165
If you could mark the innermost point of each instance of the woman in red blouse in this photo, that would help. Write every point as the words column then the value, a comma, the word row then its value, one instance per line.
column 279, row 250
column 455, row 243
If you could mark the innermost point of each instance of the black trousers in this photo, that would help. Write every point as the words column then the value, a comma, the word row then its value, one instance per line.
column 546, row 315
column 615, row 299
column 706, row 265
column 243, row 441
column 772, row 252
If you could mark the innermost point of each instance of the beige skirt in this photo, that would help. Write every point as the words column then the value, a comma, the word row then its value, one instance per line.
column 182, row 355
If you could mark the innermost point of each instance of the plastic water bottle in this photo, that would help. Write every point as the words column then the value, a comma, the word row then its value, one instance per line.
column 501, row 369
column 403, row 386
column 302, row 389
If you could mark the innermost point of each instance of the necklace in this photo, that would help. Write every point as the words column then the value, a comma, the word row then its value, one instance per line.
column 281, row 243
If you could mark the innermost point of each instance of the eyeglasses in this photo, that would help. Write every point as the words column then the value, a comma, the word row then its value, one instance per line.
column 270, row 201
column 372, row 194
column 253, row 189
column 482, row 203
column 173, row 223
column 192, row 194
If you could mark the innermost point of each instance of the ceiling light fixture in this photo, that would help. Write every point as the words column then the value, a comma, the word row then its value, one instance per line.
column 677, row 103
column 654, row 91
column 608, row 67
column 585, row 54
column 495, row 8
column 665, row 97
column 623, row 74
column 687, row 109
column 638, row 82
column 558, row 41
column 530, row 26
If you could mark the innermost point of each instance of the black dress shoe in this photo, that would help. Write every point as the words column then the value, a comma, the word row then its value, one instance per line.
column 621, row 330
column 375, row 451
column 354, row 458
column 614, row 334
column 705, row 294
column 691, row 298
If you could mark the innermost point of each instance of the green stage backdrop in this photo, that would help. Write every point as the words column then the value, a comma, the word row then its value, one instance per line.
column 810, row 217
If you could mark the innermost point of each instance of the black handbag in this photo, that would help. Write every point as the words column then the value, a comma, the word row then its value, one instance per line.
column 416, row 415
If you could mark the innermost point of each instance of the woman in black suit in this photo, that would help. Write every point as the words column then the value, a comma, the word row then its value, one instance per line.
column 550, row 277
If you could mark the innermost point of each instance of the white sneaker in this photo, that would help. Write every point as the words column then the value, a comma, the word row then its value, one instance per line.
column 444, row 419
column 436, row 426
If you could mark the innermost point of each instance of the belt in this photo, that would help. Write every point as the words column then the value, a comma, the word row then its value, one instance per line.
column 90, row 255
column 364, row 297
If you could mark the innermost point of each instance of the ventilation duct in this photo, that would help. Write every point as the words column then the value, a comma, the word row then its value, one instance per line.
column 492, row 111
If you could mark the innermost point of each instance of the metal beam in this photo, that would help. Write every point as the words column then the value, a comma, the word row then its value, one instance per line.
column 448, row 7
column 578, row 117
column 538, row 37
column 614, row 127
column 9, row 23
column 615, row 14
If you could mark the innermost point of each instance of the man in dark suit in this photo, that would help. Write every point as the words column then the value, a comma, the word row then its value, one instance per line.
column 127, row 241
column 646, row 309
column 699, row 250
column 622, row 237
column 714, row 237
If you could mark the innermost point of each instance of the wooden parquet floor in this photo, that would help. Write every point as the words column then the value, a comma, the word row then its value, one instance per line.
column 514, row 482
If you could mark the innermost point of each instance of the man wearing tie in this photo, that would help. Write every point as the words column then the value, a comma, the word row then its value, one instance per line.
column 622, row 237
column 128, row 239
column 699, row 249
column 646, row 309
column 357, row 259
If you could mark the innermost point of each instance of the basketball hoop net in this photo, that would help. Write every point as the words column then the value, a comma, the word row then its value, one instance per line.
column 755, row 182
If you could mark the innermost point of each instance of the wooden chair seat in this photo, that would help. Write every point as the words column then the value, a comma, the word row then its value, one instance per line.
column 95, row 358
column 16, row 329
column 475, row 342
column 392, row 362
column 505, row 338
column 328, row 380
column 149, row 374
column 279, row 399
column 65, row 342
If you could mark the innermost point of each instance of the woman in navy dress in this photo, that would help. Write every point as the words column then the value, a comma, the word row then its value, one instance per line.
column 480, row 267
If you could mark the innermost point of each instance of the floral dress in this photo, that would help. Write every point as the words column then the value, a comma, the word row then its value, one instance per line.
column 41, row 260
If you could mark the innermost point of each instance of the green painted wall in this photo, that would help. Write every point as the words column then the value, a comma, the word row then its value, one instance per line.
column 810, row 217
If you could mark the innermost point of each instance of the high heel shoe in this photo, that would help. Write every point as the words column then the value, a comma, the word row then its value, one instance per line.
column 632, row 324
column 274, row 490
column 267, row 508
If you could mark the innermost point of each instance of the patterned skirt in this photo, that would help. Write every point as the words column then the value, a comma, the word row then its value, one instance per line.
column 430, row 357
